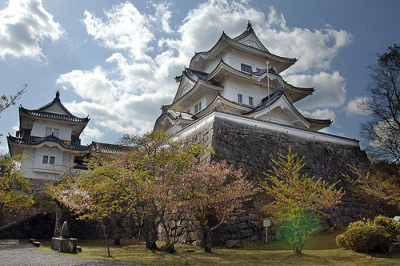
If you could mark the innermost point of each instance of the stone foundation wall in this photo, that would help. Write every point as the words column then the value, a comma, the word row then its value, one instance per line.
column 253, row 148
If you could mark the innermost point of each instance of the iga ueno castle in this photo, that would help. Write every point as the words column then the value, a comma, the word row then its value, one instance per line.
column 237, row 80
column 240, row 79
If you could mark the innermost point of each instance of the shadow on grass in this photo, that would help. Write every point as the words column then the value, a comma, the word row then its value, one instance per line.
column 321, row 250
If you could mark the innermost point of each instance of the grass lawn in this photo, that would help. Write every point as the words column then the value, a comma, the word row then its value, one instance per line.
column 319, row 250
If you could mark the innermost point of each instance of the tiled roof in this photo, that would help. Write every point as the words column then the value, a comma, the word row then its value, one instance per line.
column 246, row 33
column 258, row 73
column 40, row 113
column 318, row 121
column 180, row 115
column 197, row 73
column 69, row 118
column 32, row 141
column 268, row 101
column 108, row 148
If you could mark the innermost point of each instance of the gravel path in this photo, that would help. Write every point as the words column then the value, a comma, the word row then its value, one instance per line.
column 14, row 252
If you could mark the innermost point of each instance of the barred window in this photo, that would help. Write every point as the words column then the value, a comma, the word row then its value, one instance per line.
column 197, row 107
column 240, row 98
column 246, row 68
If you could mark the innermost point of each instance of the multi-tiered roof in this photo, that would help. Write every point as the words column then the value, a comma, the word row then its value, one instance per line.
column 54, row 111
column 234, row 69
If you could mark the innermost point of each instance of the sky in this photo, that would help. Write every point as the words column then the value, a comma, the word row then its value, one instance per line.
column 115, row 61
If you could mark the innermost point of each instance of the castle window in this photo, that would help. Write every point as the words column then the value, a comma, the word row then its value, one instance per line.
column 45, row 159
column 197, row 107
column 250, row 100
column 246, row 68
column 48, row 131
column 240, row 98
column 52, row 159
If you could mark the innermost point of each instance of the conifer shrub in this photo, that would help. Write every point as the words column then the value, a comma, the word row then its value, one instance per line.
column 367, row 236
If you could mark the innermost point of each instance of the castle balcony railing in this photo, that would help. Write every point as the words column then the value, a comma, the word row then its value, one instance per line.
column 32, row 140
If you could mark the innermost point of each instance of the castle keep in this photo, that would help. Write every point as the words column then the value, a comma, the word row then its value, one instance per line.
column 233, row 99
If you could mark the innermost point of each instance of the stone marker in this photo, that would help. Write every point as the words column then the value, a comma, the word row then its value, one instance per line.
column 64, row 243
column 64, row 230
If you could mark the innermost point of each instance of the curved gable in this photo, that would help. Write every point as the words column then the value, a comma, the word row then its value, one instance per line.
column 279, row 110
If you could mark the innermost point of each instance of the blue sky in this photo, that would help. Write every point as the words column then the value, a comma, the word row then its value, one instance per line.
column 116, row 60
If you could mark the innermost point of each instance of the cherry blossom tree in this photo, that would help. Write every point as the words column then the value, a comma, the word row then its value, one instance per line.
column 214, row 190
column 161, row 162
column 106, row 192
column 140, row 179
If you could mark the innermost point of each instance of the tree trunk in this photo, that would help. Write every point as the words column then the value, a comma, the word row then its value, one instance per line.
column 169, row 244
column 207, row 239
column 106, row 238
column 151, row 236
column 117, row 232
column 61, row 216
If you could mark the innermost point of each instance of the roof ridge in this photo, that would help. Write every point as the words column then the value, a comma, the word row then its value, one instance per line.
column 39, row 111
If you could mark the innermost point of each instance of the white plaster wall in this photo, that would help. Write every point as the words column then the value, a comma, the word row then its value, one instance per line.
column 34, row 168
column 233, row 87
column 209, row 99
column 235, row 58
column 211, row 65
column 49, row 151
column 203, row 101
column 39, row 129
column 27, row 165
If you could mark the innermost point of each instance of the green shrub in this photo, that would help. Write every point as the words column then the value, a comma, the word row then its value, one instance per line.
column 340, row 241
column 389, row 224
column 358, row 223
column 365, row 238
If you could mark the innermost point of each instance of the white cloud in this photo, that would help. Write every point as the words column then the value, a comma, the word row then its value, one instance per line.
column 91, row 134
column 320, row 114
column 163, row 16
column 125, row 29
column 3, row 148
column 23, row 26
column 315, row 49
column 354, row 107
column 204, row 25
column 125, row 94
column 91, row 85
column 330, row 89
column 386, row 133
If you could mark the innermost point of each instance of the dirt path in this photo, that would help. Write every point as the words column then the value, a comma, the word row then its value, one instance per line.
column 15, row 252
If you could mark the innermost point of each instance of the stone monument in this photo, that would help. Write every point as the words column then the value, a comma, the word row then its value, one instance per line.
column 64, row 243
